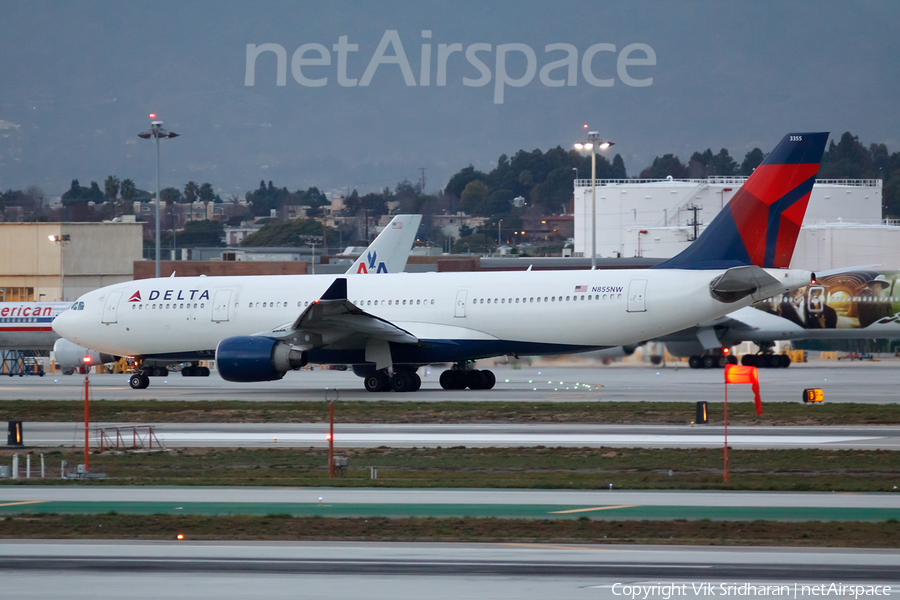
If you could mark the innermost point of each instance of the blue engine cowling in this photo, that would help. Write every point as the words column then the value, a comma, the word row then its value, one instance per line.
column 254, row 358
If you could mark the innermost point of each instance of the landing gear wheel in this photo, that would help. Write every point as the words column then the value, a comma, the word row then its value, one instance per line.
column 694, row 362
column 401, row 381
column 722, row 361
column 475, row 380
column 709, row 362
column 453, row 380
column 732, row 360
column 204, row 372
column 491, row 380
column 139, row 381
column 188, row 372
column 750, row 360
column 416, row 382
column 378, row 382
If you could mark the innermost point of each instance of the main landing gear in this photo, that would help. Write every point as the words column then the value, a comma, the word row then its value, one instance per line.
column 402, row 380
column 766, row 361
column 195, row 370
column 766, row 358
column 712, row 359
column 459, row 378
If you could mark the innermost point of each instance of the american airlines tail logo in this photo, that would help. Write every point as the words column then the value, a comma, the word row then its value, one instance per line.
column 374, row 266
column 135, row 297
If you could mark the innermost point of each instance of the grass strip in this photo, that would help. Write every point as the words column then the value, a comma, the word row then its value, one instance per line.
column 528, row 468
column 581, row 531
column 382, row 411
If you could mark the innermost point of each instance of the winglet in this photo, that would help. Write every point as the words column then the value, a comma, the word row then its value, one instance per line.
column 336, row 291
column 760, row 224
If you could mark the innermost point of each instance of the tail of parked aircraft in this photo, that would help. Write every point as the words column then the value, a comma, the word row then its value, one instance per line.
column 760, row 224
column 390, row 250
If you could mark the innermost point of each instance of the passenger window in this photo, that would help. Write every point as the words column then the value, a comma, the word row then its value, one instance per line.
column 567, row 298
column 432, row 301
column 202, row 305
column 503, row 301
column 517, row 300
column 620, row 296
column 418, row 302
column 390, row 302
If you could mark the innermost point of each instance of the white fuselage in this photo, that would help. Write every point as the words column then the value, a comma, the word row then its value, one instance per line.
column 542, row 311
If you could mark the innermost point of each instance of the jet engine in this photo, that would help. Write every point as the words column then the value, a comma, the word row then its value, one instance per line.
column 71, row 356
column 255, row 358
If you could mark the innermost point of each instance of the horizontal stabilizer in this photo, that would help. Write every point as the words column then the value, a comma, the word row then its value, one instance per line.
column 739, row 282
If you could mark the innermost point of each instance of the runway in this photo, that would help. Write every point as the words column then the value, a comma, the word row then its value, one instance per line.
column 842, row 382
column 350, row 435
column 374, row 502
column 439, row 571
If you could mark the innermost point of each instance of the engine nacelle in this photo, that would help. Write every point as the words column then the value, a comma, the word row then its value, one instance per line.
column 71, row 356
column 254, row 358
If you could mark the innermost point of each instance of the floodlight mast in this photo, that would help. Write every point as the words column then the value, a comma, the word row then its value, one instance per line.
column 593, row 142
column 157, row 131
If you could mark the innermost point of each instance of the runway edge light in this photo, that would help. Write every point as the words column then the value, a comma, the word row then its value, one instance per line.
column 813, row 395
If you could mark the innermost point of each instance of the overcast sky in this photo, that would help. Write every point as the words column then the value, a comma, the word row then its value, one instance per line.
column 78, row 80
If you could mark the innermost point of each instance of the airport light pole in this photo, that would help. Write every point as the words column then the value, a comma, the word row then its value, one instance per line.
column 593, row 142
column 157, row 131
column 62, row 240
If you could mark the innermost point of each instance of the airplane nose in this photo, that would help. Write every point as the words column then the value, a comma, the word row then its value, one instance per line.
column 63, row 325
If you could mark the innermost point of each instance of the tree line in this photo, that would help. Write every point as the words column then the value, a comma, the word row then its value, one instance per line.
column 543, row 180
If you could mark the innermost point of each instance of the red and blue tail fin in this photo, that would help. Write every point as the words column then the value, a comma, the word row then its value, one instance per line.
column 760, row 224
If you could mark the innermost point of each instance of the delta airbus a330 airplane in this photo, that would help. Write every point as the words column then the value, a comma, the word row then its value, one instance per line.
column 28, row 325
column 258, row 328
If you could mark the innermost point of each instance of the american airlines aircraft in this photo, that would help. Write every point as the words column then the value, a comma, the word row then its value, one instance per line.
column 27, row 325
column 258, row 328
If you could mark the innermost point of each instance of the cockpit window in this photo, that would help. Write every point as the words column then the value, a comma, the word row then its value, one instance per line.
column 78, row 306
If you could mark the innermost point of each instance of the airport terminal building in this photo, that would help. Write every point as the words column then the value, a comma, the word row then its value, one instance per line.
column 660, row 218
column 82, row 257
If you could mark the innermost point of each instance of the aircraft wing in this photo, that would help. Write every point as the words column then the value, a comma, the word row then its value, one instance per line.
column 333, row 318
